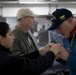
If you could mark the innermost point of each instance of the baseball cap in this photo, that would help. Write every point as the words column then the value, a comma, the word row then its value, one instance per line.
column 58, row 17
column 23, row 12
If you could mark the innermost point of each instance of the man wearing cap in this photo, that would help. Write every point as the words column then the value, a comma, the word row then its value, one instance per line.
column 24, row 44
column 65, row 24
column 24, row 41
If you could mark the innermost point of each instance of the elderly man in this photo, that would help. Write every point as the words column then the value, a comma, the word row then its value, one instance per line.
column 65, row 24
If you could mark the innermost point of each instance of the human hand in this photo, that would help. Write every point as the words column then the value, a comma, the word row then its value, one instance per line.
column 48, row 46
column 63, row 54
column 45, row 49
column 56, row 48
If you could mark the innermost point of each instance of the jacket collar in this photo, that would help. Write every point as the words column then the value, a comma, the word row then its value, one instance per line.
column 2, row 48
column 73, row 31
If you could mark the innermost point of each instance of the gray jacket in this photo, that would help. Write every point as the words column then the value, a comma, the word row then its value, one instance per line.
column 21, row 44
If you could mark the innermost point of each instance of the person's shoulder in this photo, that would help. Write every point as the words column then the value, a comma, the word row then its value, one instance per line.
column 16, row 30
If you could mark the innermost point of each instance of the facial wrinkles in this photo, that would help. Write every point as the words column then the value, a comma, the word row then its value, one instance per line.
column 63, row 29
column 65, row 32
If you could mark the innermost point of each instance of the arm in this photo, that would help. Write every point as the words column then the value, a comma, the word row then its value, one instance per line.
column 32, row 55
column 40, row 52
column 29, row 66
column 37, row 66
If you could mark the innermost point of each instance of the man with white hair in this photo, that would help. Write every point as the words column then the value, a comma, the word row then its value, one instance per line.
column 65, row 24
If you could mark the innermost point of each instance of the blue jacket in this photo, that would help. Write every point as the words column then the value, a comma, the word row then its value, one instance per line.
column 71, row 48
column 71, row 61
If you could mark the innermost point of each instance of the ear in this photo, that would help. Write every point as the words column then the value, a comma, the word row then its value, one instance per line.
column 1, row 38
